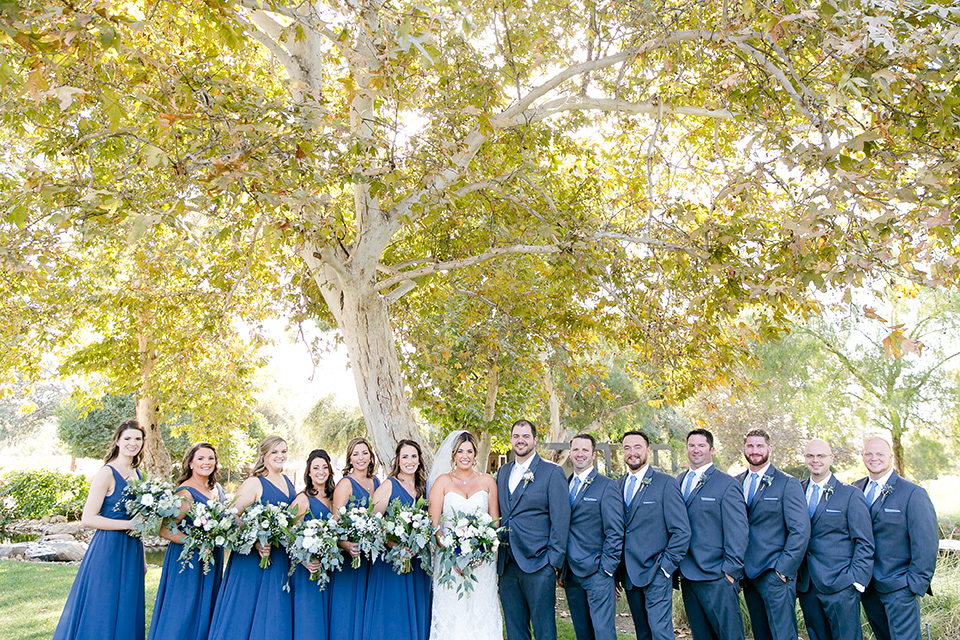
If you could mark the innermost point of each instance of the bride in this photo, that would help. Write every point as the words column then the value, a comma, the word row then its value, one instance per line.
column 455, row 485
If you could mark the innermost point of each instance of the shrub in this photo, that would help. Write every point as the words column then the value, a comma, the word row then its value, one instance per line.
column 35, row 494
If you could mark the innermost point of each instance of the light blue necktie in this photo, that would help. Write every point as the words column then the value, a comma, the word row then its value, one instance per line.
column 814, row 500
column 687, row 482
column 872, row 492
column 575, row 489
column 753, row 486
column 628, row 490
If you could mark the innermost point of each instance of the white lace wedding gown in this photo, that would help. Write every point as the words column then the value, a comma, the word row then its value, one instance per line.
column 477, row 614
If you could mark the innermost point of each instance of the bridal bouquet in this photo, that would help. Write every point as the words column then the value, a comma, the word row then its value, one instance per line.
column 363, row 527
column 207, row 527
column 468, row 540
column 409, row 528
column 149, row 502
column 315, row 540
column 267, row 524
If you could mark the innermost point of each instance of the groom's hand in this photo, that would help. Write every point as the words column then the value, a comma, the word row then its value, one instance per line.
column 559, row 577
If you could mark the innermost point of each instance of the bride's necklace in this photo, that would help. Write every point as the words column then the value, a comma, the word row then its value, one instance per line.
column 462, row 481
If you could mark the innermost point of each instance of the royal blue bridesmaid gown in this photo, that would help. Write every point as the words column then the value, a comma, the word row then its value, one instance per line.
column 106, row 599
column 185, row 598
column 311, row 606
column 252, row 604
column 398, row 605
column 348, row 589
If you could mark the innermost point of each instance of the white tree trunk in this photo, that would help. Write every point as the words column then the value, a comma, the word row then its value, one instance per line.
column 489, row 408
column 156, row 458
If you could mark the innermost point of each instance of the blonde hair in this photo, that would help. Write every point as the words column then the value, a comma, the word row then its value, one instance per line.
column 266, row 446
column 353, row 444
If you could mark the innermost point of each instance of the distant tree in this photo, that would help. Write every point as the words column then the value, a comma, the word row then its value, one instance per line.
column 86, row 430
column 329, row 426
column 24, row 408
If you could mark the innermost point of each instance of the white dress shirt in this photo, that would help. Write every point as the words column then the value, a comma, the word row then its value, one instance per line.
column 516, row 474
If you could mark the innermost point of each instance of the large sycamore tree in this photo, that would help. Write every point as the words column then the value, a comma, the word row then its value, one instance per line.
column 639, row 173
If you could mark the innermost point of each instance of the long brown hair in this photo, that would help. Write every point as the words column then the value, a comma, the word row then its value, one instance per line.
column 114, row 449
column 266, row 446
column 466, row 436
column 186, row 472
column 419, row 476
column 309, row 488
column 353, row 444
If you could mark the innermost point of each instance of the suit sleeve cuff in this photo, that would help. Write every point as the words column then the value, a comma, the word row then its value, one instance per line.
column 664, row 572
column 859, row 587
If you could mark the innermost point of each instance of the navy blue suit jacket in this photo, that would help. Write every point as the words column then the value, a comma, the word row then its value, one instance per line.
column 841, row 541
column 718, row 528
column 905, row 535
column 657, row 530
column 596, row 527
column 536, row 517
column 779, row 525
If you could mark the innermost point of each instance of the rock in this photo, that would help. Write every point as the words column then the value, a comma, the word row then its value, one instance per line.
column 59, row 528
column 13, row 551
column 60, row 518
column 65, row 537
column 46, row 520
column 56, row 550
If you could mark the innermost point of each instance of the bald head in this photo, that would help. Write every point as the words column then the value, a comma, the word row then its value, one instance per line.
column 818, row 457
column 877, row 457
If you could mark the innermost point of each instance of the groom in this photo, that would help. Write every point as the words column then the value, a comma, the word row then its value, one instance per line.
column 535, row 514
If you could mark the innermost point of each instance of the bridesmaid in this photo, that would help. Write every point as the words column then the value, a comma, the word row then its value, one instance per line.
column 106, row 599
column 311, row 606
column 398, row 605
column 185, row 598
column 348, row 589
column 251, row 603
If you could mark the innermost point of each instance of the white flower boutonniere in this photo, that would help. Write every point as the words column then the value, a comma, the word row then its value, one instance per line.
column 528, row 478
column 828, row 491
column 646, row 482
column 766, row 480
column 700, row 481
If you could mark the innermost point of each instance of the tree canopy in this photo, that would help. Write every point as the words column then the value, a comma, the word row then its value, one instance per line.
column 640, row 173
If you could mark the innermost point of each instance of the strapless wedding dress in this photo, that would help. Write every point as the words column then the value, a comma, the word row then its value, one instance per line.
column 477, row 614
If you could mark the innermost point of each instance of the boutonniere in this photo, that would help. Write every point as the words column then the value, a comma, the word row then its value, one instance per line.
column 527, row 478
column 588, row 482
column 885, row 490
column 828, row 491
column 646, row 481
column 700, row 481
column 766, row 480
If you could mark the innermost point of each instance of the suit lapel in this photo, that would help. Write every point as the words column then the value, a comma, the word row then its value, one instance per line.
column 637, row 497
column 583, row 489
column 877, row 505
column 701, row 482
column 504, row 486
column 763, row 485
column 824, row 498
column 523, row 483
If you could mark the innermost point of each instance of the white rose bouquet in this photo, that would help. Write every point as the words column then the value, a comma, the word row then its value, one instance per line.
column 363, row 527
column 149, row 503
column 315, row 541
column 409, row 528
column 268, row 524
column 467, row 540
column 206, row 528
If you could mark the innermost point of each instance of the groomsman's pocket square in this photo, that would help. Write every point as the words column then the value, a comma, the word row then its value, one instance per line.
column 833, row 511
column 772, row 499
column 648, row 502
column 589, row 499
column 702, row 499
column 885, row 510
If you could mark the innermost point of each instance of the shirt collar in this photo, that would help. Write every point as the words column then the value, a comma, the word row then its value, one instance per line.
column 523, row 466
column 822, row 484
column 639, row 473
column 761, row 472
column 884, row 480
column 583, row 475
column 699, row 472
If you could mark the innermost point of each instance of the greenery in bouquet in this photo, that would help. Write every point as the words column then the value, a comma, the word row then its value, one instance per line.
column 363, row 527
column 410, row 530
column 315, row 541
column 268, row 524
column 467, row 540
column 149, row 503
column 206, row 528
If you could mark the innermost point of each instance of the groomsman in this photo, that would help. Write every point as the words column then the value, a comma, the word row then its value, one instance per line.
column 594, row 545
column 906, row 540
column 839, row 558
column 779, row 532
column 535, row 511
column 657, row 536
column 719, row 530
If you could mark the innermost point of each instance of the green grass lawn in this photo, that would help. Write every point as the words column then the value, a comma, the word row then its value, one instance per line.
column 34, row 594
